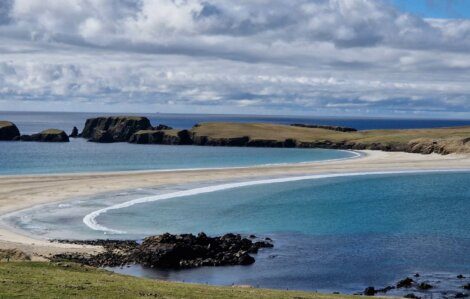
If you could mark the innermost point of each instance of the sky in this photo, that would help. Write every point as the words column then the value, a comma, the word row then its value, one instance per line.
column 394, row 58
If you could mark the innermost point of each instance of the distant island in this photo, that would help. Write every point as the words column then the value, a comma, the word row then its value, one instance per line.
column 137, row 129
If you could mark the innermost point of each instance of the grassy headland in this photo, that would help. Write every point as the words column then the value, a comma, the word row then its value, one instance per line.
column 48, row 280
column 440, row 140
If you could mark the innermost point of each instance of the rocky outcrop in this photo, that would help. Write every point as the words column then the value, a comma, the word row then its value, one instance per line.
column 114, row 128
column 332, row 128
column 101, row 136
column 49, row 135
column 171, row 251
column 74, row 133
column 8, row 131
column 439, row 146
column 162, row 127
column 182, row 137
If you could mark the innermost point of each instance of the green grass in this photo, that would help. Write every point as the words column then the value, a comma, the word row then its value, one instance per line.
column 281, row 132
column 4, row 123
column 52, row 132
column 47, row 280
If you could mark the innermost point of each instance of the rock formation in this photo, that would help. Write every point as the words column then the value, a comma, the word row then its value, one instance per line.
column 171, row 251
column 114, row 128
column 49, row 135
column 74, row 133
column 8, row 131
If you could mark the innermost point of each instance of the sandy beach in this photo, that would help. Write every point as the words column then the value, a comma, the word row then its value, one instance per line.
column 24, row 191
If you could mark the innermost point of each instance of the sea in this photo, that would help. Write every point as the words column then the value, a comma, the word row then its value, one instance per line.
column 331, row 233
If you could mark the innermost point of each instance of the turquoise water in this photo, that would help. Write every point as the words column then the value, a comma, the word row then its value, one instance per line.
column 331, row 234
column 82, row 156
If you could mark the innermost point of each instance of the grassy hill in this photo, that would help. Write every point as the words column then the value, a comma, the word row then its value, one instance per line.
column 443, row 140
column 47, row 280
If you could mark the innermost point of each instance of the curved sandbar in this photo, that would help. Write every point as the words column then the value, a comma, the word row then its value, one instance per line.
column 20, row 192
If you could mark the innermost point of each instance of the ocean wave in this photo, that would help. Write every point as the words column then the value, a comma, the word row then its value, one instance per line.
column 90, row 219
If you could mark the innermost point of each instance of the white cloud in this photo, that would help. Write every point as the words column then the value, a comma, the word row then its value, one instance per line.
column 336, row 56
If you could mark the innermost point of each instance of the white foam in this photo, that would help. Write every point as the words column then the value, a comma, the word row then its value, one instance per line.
column 91, row 222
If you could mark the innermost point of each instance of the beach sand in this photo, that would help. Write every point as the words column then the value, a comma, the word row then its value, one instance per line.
column 25, row 191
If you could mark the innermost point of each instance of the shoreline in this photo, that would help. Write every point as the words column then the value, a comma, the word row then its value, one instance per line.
column 19, row 192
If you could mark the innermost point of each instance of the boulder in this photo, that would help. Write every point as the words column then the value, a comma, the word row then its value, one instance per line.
column 405, row 283
column 424, row 286
column 49, row 135
column 74, row 133
column 369, row 291
column 8, row 131
column 120, row 128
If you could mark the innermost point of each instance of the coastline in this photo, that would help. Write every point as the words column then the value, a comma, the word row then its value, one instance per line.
column 19, row 192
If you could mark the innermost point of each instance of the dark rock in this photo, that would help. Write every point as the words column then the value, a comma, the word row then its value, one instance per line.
column 74, row 133
column 162, row 127
column 170, row 251
column 333, row 128
column 185, row 137
column 49, row 135
column 264, row 143
column 416, row 275
column 405, row 283
column 411, row 295
column 8, row 131
column 147, row 137
column 120, row 128
column 102, row 136
column 385, row 290
column 466, row 286
column 26, row 138
column 460, row 276
column 369, row 291
column 424, row 286
column 461, row 295
column 290, row 142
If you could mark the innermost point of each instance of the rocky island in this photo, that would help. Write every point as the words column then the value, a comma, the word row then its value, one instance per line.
column 139, row 130
column 49, row 135
column 8, row 131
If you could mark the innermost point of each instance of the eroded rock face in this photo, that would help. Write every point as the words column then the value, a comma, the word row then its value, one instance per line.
column 8, row 131
column 49, row 135
column 171, row 251
column 119, row 128
column 74, row 133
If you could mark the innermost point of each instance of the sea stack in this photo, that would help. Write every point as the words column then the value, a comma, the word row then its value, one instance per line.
column 8, row 131
column 114, row 128
column 74, row 133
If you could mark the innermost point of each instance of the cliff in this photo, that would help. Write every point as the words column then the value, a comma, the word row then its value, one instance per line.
column 114, row 128
column 138, row 130
column 8, row 131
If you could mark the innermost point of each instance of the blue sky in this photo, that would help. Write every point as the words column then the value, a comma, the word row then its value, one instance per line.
column 308, row 57
column 435, row 8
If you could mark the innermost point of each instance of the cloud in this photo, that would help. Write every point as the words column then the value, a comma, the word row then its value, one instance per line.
column 335, row 56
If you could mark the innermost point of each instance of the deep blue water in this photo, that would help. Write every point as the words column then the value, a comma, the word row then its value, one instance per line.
column 339, row 234
column 33, row 122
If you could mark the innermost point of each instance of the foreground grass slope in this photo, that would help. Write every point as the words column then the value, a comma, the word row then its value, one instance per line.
column 47, row 280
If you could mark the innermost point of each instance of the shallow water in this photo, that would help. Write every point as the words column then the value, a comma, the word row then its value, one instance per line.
column 82, row 156
column 335, row 234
